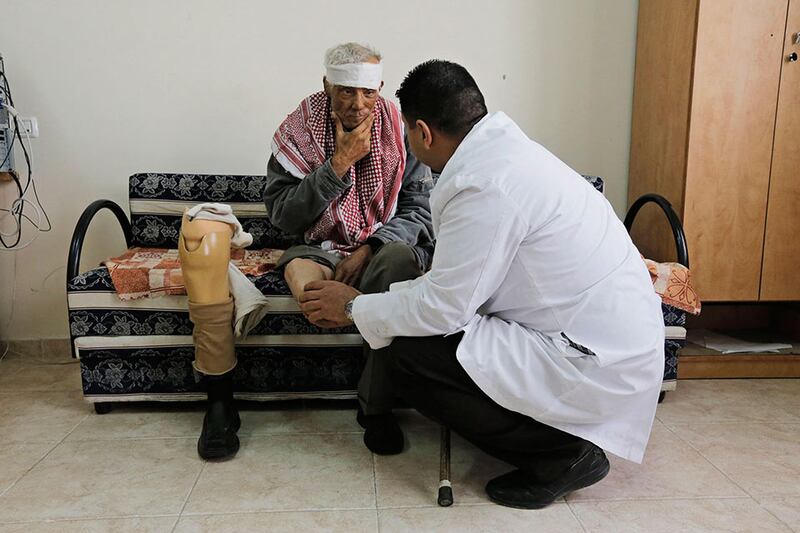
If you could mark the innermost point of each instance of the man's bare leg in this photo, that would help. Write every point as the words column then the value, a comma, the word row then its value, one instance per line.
column 300, row 272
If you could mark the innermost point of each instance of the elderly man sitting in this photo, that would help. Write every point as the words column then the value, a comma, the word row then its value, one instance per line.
column 343, row 181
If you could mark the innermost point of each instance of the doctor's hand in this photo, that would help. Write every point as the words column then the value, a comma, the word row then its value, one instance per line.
column 323, row 303
column 351, row 268
column 351, row 146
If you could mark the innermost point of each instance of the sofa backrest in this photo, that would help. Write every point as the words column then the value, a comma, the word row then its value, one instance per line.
column 596, row 182
column 158, row 200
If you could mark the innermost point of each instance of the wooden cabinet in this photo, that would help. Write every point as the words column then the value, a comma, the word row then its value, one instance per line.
column 716, row 130
column 780, row 276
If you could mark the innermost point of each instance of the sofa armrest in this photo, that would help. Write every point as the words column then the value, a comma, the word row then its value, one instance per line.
column 672, row 217
column 78, row 236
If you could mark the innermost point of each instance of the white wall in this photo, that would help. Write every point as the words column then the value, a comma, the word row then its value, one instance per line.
column 199, row 86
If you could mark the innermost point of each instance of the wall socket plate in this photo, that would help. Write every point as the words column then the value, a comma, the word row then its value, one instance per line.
column 28, row 127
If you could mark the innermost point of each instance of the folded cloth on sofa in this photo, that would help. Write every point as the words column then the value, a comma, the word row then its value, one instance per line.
column 154, row 272
column 222, row 213
column 673, row 282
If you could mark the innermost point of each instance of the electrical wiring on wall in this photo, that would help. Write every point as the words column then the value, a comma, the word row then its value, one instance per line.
column 12, row 240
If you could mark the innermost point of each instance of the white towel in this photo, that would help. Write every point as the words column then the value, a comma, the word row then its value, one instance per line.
column 249, row 304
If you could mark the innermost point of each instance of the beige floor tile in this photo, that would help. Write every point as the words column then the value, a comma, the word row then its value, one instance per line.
column 763, row 459
column 186, row 420
column 298, row 420
column 412, row 477
column 40, row 416
column 288, row 472
column 141, row 421
column 671, row 469
column 282, row 522
column 16, row 459
column 479, row 518
column 161, row 524
column 786, row 509
column 95, row 479
column 732, row 400
column 669, row 516
column 30, row 376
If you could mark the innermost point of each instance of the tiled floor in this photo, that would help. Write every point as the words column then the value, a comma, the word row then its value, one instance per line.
column 724, row 456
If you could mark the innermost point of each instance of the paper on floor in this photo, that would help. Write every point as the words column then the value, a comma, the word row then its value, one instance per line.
column 725, row 344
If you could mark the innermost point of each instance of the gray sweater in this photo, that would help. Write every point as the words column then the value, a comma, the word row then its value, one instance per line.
column 295, row 204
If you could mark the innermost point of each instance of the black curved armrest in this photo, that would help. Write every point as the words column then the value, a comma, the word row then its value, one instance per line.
column 78, row 236
column 672, row 217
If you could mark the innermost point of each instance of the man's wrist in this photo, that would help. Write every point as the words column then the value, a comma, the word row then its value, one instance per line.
column 340, row 168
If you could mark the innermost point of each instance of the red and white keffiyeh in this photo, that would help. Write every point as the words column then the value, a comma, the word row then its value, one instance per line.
column 306, row 139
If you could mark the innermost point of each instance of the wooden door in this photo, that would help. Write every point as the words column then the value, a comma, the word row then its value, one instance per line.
column 780, row 279
column 732, row 121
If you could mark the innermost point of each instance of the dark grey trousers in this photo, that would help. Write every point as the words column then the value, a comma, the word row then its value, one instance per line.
column 393, row 262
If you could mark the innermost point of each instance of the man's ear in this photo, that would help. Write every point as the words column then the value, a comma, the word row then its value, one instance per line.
column 381, row 87
column 427, row 134
column 326, row 86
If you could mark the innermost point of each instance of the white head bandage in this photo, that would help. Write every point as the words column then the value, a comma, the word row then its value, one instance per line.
column 365, row 75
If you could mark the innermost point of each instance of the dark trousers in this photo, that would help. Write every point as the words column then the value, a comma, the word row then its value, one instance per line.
column 393, row 262
column 427, row 375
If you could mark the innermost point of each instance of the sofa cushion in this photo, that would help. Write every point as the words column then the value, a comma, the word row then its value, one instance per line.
column 95, row 309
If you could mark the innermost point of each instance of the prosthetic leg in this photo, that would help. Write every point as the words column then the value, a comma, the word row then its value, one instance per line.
column 204, row 249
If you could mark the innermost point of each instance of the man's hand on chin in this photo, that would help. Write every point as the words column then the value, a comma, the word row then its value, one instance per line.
column 323, row 303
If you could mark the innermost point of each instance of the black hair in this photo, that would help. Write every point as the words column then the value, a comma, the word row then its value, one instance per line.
column 442, row 94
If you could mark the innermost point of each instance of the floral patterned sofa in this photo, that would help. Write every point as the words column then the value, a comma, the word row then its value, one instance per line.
column 142, row 349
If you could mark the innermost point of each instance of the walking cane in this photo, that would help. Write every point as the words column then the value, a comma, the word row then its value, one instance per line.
column 445, row 489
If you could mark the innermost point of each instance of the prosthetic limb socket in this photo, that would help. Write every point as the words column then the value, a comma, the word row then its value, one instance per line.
column 204, row 249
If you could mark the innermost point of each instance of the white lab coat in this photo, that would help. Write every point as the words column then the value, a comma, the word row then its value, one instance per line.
column 528, row 258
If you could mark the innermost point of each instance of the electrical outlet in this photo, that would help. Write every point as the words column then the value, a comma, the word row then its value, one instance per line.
column 28, row 127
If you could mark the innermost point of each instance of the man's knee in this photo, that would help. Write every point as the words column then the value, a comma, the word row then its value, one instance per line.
column 290, row 269
column 394, row 261
column 301, row 266
column 397, row 252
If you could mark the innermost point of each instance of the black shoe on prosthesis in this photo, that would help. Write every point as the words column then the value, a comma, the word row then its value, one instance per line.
column 218, row 440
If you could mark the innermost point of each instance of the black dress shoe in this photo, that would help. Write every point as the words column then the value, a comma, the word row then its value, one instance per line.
column 218, row 439
column 520, row 490
column 382, row 433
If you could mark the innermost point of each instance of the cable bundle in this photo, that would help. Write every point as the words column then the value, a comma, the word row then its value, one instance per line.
column 18, row 207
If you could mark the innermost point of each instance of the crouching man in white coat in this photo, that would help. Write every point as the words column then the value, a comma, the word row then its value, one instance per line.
column 537, row 334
